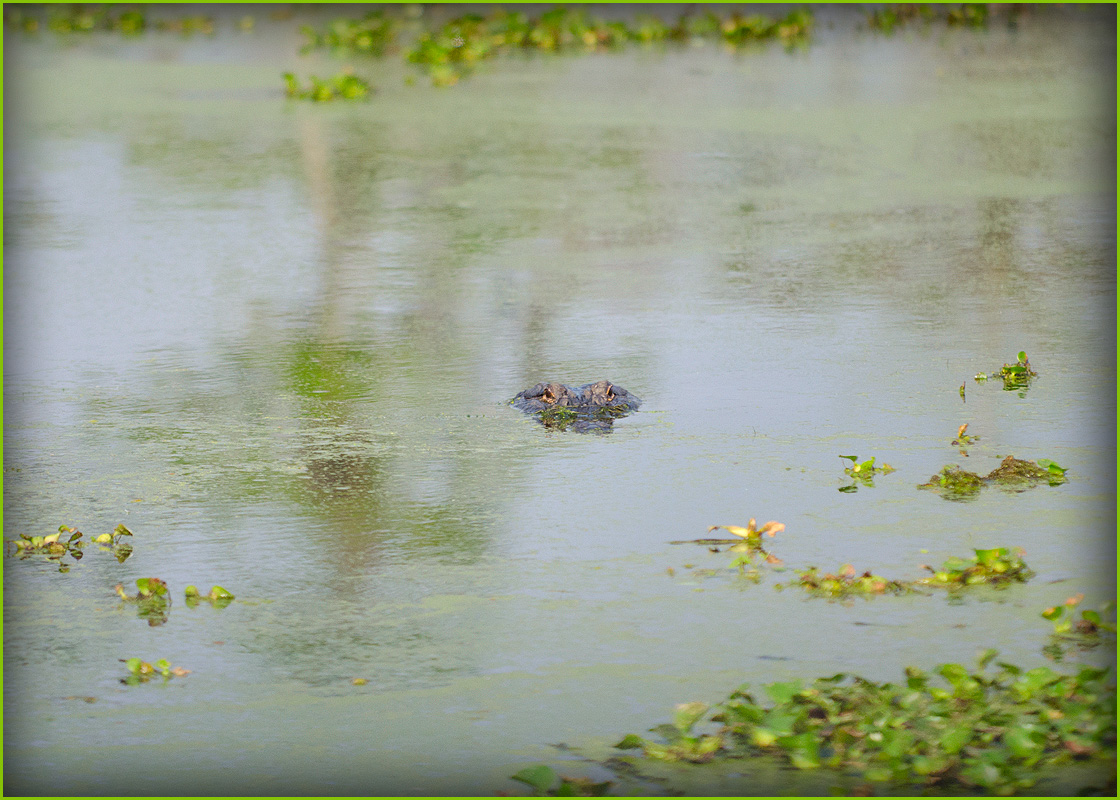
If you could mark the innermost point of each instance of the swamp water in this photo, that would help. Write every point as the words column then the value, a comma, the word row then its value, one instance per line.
column 277, row 341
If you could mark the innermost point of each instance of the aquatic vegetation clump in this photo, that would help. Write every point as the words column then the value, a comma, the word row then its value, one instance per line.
column 955, row 483
column 1016, row 377
column 964, row 439
column 370, row 35
column 1090, row 629
column 1013, row 475
column 68, row 541
column 991, row 732
column 996, row 566
column 450, row 52
column 52, row 546
column 217, row 597
column 141, row 671
column 546, row 783
column 846, row 583
column 153, row 603
column 69, row 19
column 863, row 472
column 969, row 15
column 343, row 86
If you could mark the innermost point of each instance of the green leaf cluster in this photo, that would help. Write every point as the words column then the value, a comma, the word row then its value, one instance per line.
column 217, row 597
column 343, row 86
column 992, row 732
column 141, row 671
column 371, row 35
column 995, row 566
column 973, row 15
column 863, row 472
column 153, row 603
column 546, row 783
column 449, row 52
column 1086, row 630
column 68, row 541
column 847, row 583
column 1016, row 377
column 679, row 741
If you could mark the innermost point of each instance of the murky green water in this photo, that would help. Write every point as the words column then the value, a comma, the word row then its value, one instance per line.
column 276, row 341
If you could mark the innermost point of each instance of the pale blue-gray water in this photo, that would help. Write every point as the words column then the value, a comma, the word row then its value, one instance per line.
column 276, row 340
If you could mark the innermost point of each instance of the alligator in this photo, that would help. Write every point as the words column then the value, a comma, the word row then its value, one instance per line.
column 593, row 407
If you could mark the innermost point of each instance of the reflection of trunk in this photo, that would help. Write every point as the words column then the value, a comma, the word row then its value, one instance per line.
column 324, row 206
column 343, row 480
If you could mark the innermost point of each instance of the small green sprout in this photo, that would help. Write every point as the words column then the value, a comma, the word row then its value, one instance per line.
column 863, row 472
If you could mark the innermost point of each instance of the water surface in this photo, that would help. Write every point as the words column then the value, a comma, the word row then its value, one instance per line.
column 277, row 340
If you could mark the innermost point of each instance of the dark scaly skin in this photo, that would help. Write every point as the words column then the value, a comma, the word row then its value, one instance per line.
column 593, row 406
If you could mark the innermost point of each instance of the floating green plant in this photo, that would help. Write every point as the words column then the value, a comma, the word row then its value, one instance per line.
column 217, row 597
column 1088, row 630
column 52, row 545
column 344, row 86
column 1013, row 474
column 450, row 52
column 680, row 743
column 751, row 534
column 964, row 439
column 141, row 671
column 546, row 783
column 115, row 543
column 68, row 541
column 371, row 35
column 972, row 15
column 863, row 472
column 887, row 18
column 996, row 566
column 847, row 583
column 1016, row 377
column 153, row 603
column 992, row 732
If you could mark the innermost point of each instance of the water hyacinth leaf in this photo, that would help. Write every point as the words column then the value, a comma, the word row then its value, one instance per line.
column 540, row 777
column 989, row 557
column 1052, row 613
column 987, row 656
column 762, row 736
column 133, row 665
column 1022, row 742
column 1023, row 357
column 955, row 738
column 191, row 591
column 802, row 749
column 687, row 714
column 631, row 741
column 783, row 692
column 780, row 721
